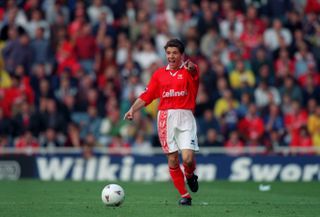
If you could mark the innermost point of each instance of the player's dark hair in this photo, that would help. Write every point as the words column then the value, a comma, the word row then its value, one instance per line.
column 175, row 43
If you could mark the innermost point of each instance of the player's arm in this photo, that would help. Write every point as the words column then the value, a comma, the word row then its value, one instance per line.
column 137, row 105
column 191, row 67
column 151, row 93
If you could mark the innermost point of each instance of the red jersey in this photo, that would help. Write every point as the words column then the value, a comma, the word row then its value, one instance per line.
column 177, row 89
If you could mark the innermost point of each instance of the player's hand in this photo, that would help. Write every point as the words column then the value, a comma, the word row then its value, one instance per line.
column 128, row 115
column 190, row 66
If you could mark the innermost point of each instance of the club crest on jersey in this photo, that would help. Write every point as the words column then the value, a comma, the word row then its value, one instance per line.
column 172, row 93
column 180, row 76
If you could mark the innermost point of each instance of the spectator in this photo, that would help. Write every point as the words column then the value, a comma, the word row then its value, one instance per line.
column 40, row 47
column 206, row 122
column 312, row 7
column 88, row 145
column 310, row 90
column 273, row 121
column 26, row 119
column 118, row 146
column 225, row 111
column 4, row 141
column 245, row 100
column 203, row 102
column 73, row 136
column 293, row 121
column 50, row 139
column 303, row 142
column 141, row 145
column 208, row 42
column 55, row 9
column 251, row 37
column 284, row 65
column 208, row 21
column 15, row 19
column 212, row 139
column 18, row 52
column 66, row 58
column 225, row 103
column 5, row 80
column 252, row 17
column 106, row 60
column 37, row 21
column 231, row 26
column 241, row 77
column 273, row 141
column 266, row 95
column 91, row 123
column 259, row 60
column 278, row 9
column 272, row 35
column 143, row 123
column 65, row 88
column 251, row 127
column 79, row 18
column 96, row 9
column 234, row 145
column 304, row 61
column 314, row 127
column 290, row 88
column 111, row 126
column 124, row 49
column 133, row 88
column 54, row 117
column 85, row 48
column 215, row 80
column 45, row 91
column 311, row 106
column 146, row 56
column 26, row 140
column 294, row 21
column 6, row 126
column 286, row 105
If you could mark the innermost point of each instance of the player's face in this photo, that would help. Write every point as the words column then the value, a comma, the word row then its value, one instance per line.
column 174, row 57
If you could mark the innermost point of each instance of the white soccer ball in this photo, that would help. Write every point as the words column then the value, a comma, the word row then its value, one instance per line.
column 112, row 195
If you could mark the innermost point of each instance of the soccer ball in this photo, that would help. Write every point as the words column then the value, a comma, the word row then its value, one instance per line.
column 112, row 195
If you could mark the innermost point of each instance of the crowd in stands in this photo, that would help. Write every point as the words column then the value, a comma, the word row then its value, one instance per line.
column 69, row 69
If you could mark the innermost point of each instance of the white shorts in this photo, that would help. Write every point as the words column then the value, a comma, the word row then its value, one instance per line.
column 177, row 130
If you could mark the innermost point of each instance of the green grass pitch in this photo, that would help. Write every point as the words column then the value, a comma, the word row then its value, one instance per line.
column 30, row 198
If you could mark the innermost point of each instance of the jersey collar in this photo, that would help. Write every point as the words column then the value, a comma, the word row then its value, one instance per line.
column 181, row 65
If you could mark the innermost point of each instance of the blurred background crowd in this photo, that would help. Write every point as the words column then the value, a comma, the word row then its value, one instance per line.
column 69, row 70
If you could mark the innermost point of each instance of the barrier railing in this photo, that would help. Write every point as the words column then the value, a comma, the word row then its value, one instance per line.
column 203, row 150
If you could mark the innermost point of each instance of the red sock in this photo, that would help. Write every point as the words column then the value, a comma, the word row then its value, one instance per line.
column 178, row 181
column 188, row 170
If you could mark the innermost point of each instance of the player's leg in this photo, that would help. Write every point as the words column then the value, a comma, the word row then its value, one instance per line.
column 178, row 178
column 189, row 164
column 187, row 142
column 169, row 147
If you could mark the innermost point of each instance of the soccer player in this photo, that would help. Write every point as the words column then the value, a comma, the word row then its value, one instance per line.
column 176, row 85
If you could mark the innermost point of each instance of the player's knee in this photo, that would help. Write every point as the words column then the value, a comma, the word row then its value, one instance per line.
column 173, row 161
column 188, row 160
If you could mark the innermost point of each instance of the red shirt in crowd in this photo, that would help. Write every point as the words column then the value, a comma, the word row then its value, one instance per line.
column 312, row 6
column 177, row 89
column 26, row 141
column 85, row 47
column 234, row 147
column 251, row 128
column 293, row 122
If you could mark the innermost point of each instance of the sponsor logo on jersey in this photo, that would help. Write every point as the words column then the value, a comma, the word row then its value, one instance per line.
column 173, row 93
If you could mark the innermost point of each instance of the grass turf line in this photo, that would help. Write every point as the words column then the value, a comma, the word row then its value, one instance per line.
column 31, row 198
